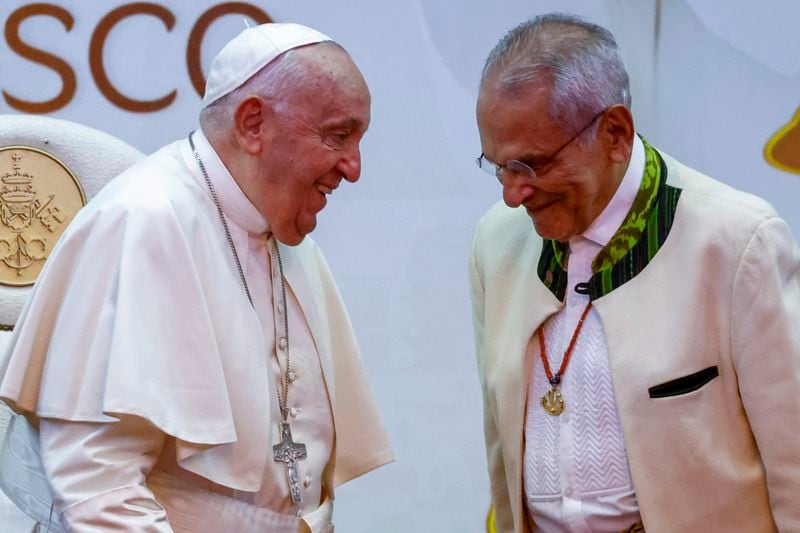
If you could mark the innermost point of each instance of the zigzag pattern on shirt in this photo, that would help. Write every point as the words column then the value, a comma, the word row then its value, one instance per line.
column 601, row 461
column 542, row 475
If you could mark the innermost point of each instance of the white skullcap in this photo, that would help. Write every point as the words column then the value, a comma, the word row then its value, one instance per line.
column 252, row 50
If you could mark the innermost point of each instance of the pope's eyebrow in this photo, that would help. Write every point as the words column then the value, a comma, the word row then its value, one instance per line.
column 347, row 123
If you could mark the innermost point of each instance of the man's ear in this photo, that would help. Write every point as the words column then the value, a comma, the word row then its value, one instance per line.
column 249, row 122
column 616, row 132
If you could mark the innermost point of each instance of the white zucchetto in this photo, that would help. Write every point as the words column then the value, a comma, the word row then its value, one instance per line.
column 250, row 51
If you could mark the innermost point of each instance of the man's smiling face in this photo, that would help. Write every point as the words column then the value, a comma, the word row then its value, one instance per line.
column 312, row 144
column 569, row 191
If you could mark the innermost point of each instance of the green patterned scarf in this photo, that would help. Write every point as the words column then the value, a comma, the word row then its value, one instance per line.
column 632, row 247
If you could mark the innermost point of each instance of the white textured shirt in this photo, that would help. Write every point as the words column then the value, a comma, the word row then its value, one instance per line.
column 576, row 473
column 96, row 468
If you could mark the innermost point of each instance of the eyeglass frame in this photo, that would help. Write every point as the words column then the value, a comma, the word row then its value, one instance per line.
column 496, row 170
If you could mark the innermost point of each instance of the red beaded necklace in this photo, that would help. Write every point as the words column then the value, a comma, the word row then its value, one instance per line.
column 552, row 401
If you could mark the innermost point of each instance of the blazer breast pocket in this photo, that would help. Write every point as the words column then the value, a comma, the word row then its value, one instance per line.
column 685, row 384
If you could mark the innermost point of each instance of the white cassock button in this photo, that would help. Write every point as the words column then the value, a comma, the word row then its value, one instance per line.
column 282, row 343
column 307, row 481
column 292, row 376
column 280, row 308
column 295, row 412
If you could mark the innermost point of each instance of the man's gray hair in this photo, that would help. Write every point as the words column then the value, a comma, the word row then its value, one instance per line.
column 581, row 60
column 276, row 82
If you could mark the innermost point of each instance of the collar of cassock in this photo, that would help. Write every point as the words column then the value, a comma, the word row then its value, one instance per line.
column 236, row 206
column 634, row 244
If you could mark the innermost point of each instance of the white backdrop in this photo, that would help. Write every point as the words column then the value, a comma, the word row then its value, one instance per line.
column 711, row 82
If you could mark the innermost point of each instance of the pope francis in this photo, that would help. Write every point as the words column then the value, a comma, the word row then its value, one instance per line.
column 185, row 361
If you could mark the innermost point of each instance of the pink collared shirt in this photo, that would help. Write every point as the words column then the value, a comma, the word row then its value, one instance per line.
column 576, row 473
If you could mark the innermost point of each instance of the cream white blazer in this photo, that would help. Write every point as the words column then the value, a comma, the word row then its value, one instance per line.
column 704, row 349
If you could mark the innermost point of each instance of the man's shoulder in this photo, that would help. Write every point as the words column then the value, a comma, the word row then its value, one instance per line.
column 503, row 228
column 714, row 201
column 712, row 217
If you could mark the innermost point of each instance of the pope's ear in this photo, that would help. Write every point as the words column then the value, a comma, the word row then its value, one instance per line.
column 250, row 121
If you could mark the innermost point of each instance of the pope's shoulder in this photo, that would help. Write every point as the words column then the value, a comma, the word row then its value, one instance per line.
column 154, row 208
column 160, row 188
column 155, row 182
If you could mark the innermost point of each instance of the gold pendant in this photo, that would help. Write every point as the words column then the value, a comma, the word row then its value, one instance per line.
column 552, row 402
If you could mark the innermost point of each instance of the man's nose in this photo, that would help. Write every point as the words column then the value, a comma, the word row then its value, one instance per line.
column 516, row 189
column 350, row 164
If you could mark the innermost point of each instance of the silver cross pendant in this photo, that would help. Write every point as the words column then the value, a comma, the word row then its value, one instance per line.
column 289, row 452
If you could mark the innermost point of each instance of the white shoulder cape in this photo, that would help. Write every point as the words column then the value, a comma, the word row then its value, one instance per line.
column 139, row 310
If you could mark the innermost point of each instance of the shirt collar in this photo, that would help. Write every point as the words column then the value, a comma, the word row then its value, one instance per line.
column 611, row 218
column 236, row 206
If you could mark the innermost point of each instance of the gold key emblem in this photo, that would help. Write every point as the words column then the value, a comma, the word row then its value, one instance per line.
column 39, row 196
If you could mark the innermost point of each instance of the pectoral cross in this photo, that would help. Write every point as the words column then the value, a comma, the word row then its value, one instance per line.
column 289, row 452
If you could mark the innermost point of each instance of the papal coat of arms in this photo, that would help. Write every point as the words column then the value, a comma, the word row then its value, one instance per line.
column 39, row 196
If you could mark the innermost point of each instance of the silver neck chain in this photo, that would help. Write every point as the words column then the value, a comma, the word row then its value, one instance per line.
column 283, row 397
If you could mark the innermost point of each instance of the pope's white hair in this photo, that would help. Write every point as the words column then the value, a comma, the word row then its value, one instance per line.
column 579, row 60
column 275, row 82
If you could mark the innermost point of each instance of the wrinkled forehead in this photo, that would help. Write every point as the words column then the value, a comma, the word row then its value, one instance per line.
column 331, row 64
column 333, row 78
column 503, row 85
column 514, row 122
column 499, row 105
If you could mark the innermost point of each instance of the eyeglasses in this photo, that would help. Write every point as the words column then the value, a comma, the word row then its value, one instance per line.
column 518, row 167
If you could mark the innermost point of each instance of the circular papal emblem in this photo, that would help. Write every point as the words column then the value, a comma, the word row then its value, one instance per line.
column 39, row 196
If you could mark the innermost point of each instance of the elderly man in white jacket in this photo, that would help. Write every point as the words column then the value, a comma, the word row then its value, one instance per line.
column 637, row 323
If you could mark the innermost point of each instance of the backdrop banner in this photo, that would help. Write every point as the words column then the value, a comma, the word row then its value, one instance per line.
column 715, row 84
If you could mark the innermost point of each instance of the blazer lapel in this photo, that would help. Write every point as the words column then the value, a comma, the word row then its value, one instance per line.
column 517, row 304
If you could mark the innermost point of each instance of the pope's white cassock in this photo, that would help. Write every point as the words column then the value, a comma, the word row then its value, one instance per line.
column 153, row 380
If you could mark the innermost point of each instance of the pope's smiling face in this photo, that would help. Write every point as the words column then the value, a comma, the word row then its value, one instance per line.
column 570, row 190
column 311, row 144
